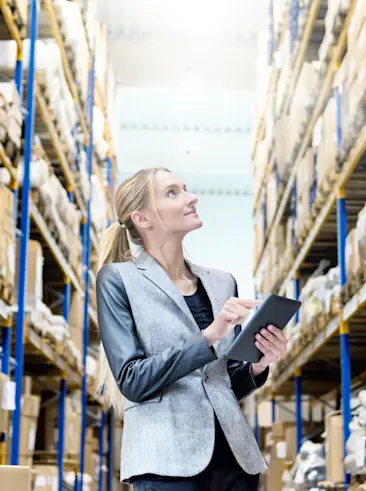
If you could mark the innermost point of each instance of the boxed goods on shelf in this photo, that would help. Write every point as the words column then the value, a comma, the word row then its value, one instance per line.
column 35, row 262
column 98, row 205
column 284, row 63
column 11, row 120
column 334, row 447
column 260, row 162
column 7, row 401
column 47, row 478
column 91, row 450
column 48, row 427
column 304, row 181
column 101, row 145
column 355, row 461
column 308, row 471
column 303, row 101
column 7, row 242
column 30, row 408
column 69, row 17
column 320, row 296
column 283, row 145
column 353, row 260
column 274, row 189
column 325, row 141
column 361, row 234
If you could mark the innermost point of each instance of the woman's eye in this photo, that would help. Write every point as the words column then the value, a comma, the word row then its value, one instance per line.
column 172, row 193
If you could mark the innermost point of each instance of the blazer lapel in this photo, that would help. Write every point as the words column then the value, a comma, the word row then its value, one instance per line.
column 156, row 274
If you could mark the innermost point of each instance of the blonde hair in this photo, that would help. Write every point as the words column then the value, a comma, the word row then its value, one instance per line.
column 133, row 195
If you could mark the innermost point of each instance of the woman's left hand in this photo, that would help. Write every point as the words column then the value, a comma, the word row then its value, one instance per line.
column 272, row 343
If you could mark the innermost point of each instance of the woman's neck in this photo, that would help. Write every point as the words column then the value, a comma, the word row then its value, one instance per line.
column 171, row 259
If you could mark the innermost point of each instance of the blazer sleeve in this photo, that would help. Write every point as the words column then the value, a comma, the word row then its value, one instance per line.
column 140, row 377
column 242, row 381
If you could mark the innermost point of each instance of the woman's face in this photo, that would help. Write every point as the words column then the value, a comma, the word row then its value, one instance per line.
column 175, row 205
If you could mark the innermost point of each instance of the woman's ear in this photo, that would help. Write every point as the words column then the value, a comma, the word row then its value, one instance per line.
column 141, row 220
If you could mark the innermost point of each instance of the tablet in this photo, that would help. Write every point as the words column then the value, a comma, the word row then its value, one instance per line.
column 274, row 310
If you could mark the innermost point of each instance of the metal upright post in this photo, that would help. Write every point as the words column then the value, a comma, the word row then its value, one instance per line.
column 63, row 388
column 298, row 394
column 6, row 343
column 101, row 450
column 22, row 279
column 18, row 75
column 110, row 451
column 273, row 402
column 86, row 280
column 344, row 329
column 297, row 295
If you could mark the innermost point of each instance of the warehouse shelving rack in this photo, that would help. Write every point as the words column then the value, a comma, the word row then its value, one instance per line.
column 27, row 341
column 314, row 367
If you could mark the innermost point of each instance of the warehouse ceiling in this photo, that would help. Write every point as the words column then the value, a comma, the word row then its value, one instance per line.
column 187, row 77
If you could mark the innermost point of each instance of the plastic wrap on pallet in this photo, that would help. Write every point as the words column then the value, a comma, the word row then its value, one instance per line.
column 51, row 77
column 39, row 173
column 319, row 295
column 355, row 461
column 309, row 469
column 101, row 146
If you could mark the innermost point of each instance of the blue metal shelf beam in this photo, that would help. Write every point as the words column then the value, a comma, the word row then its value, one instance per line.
column 86, row 254
column 344, row 331
column 298, row 394
column 25, row 225
column 101, row 449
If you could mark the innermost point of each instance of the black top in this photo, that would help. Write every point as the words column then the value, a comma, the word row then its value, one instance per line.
column 200, row 306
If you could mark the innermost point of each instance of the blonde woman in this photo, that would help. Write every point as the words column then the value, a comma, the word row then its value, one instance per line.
column 165, row 325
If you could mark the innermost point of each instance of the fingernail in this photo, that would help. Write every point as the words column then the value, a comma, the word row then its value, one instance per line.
column 270, row 327
column 263, row 331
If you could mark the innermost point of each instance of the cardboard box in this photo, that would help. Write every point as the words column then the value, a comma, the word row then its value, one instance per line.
column 279, row 429
column 4, row 403
column 7, row 236
column 334, row 447
column 35, row 262
column 275, row 470
column 28, row 427
column 76, row 320
column 47, row 478
column 15, row 478
column 361, row 234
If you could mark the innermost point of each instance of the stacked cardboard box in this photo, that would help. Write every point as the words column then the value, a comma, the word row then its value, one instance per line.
column 284, row 62
column 274, row 188
column 259, row 227
column 15, row 478
column 48, row 432
column 76, row 320
column 7, row 237
column 304, row 181
column 279, row 459
column 91, row 452
column 35, row 262
column 334, row 447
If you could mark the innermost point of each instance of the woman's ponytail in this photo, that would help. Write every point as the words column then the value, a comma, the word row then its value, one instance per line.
column 114, row 248
column 132, row 195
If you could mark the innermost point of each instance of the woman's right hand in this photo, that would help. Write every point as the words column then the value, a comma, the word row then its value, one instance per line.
column 234, row 312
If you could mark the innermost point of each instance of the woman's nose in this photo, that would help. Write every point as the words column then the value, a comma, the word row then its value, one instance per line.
column 192, row 199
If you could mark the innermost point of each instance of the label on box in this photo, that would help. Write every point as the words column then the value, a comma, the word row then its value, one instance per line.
column 361, row 451
column 281, row 450
column 8, row 402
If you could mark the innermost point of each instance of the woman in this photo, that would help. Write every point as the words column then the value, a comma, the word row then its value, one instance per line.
column 165, row 325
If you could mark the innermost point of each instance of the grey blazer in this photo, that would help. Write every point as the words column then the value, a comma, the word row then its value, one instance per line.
column 172, row 381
